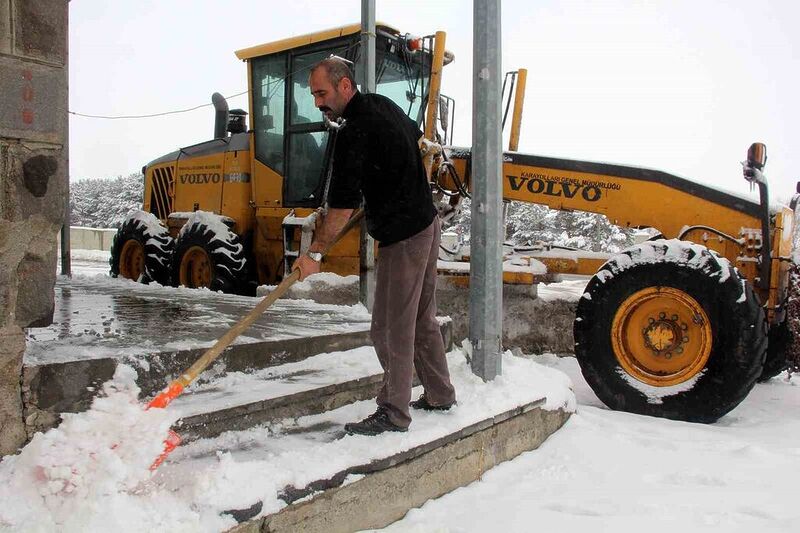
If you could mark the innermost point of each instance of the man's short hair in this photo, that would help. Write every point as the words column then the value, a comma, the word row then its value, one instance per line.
column 337, row 69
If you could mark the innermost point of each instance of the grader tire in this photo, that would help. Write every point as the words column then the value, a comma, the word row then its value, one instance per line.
column 669, row 329
column 141, row 250
column 207, row 258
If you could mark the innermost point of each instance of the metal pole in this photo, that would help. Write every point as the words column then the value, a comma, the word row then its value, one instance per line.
column 486, row 270
column 368, row 45
column 66, row 245
column 66, row 254
column 366, row 292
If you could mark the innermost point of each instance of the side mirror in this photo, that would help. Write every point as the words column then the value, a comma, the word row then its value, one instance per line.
column 757, row 155
column 444, row 113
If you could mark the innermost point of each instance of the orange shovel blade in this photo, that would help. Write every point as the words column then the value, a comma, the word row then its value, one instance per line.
column 172, row 441
column 161, row 401
column 164, row 398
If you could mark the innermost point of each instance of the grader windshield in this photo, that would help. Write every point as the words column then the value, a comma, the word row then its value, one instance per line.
column 289, row 134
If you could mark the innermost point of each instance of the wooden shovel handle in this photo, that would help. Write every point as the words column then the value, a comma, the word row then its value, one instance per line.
column 176, row 387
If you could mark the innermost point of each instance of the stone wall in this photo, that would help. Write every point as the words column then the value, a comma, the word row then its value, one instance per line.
column 33, row 184
column 529, row 323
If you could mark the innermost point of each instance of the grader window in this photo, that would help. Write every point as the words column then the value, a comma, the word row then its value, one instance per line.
column 403, row 76
column 290, row 136
column 269, row 103
column 307, row 137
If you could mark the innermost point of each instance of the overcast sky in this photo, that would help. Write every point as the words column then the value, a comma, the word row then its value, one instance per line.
column 681, row 86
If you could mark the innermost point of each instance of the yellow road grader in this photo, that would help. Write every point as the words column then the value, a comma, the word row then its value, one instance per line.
column 681, row 326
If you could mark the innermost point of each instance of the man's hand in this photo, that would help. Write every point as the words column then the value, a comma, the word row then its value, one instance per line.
column 324, row 235
column 306, row 266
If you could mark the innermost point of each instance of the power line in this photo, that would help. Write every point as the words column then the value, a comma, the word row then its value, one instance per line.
column 269, row 95
column 115, row 117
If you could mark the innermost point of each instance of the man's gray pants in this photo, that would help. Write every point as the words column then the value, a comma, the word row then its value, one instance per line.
column 404, row 329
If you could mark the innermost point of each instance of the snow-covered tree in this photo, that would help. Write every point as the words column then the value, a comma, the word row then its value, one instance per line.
column 529, row 223
column 105, row 202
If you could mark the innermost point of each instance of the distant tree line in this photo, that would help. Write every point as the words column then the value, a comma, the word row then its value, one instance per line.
column 105, row 202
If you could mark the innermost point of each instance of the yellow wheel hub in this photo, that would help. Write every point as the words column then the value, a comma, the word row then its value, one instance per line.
column 661, row 336
column 196, row 269
column 131, row 260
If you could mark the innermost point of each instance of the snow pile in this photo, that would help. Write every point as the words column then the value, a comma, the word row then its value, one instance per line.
column 324, row 287
column 521, row 379
column 152, row 226
column 568, row 289
column 511, row 263
column 213, row 222
column 86, row 474
column 656, row 395
column 326, row 279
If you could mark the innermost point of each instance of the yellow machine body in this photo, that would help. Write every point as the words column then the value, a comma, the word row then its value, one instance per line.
column 658, row 323
column 244, row 177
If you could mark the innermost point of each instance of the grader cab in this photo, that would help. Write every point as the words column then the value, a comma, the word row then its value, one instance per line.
column 681, row 326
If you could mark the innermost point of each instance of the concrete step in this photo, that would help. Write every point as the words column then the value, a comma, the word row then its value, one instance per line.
column 305, row 474
column 50, row 389
column 375, row 494
column 238, row 401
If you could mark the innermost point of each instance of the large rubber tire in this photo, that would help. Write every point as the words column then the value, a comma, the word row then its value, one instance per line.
column 210, row 255
column 709, row 319
column 142, row 250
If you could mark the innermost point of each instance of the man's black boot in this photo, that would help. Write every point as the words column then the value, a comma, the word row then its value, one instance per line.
column 422, row 403
column 375, row 424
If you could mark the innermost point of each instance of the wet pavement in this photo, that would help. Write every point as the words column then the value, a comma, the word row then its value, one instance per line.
column 98, row 316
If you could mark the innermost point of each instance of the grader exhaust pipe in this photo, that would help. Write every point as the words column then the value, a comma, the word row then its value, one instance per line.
column 220, row 115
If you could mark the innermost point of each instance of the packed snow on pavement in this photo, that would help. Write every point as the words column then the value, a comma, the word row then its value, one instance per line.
column 603, row 471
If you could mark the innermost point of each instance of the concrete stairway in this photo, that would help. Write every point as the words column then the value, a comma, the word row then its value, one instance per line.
column 55, row 388
column 316, row 382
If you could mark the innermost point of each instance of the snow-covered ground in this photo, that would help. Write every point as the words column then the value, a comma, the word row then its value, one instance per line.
column 603, row 471
column 88, row 262
column 614, row 471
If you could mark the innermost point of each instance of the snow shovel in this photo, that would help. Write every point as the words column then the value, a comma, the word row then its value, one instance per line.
column 164, row 398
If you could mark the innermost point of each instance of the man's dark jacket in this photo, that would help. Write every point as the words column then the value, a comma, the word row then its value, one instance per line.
column 377, row 155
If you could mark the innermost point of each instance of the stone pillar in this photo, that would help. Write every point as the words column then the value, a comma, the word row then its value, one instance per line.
column 33, row 184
